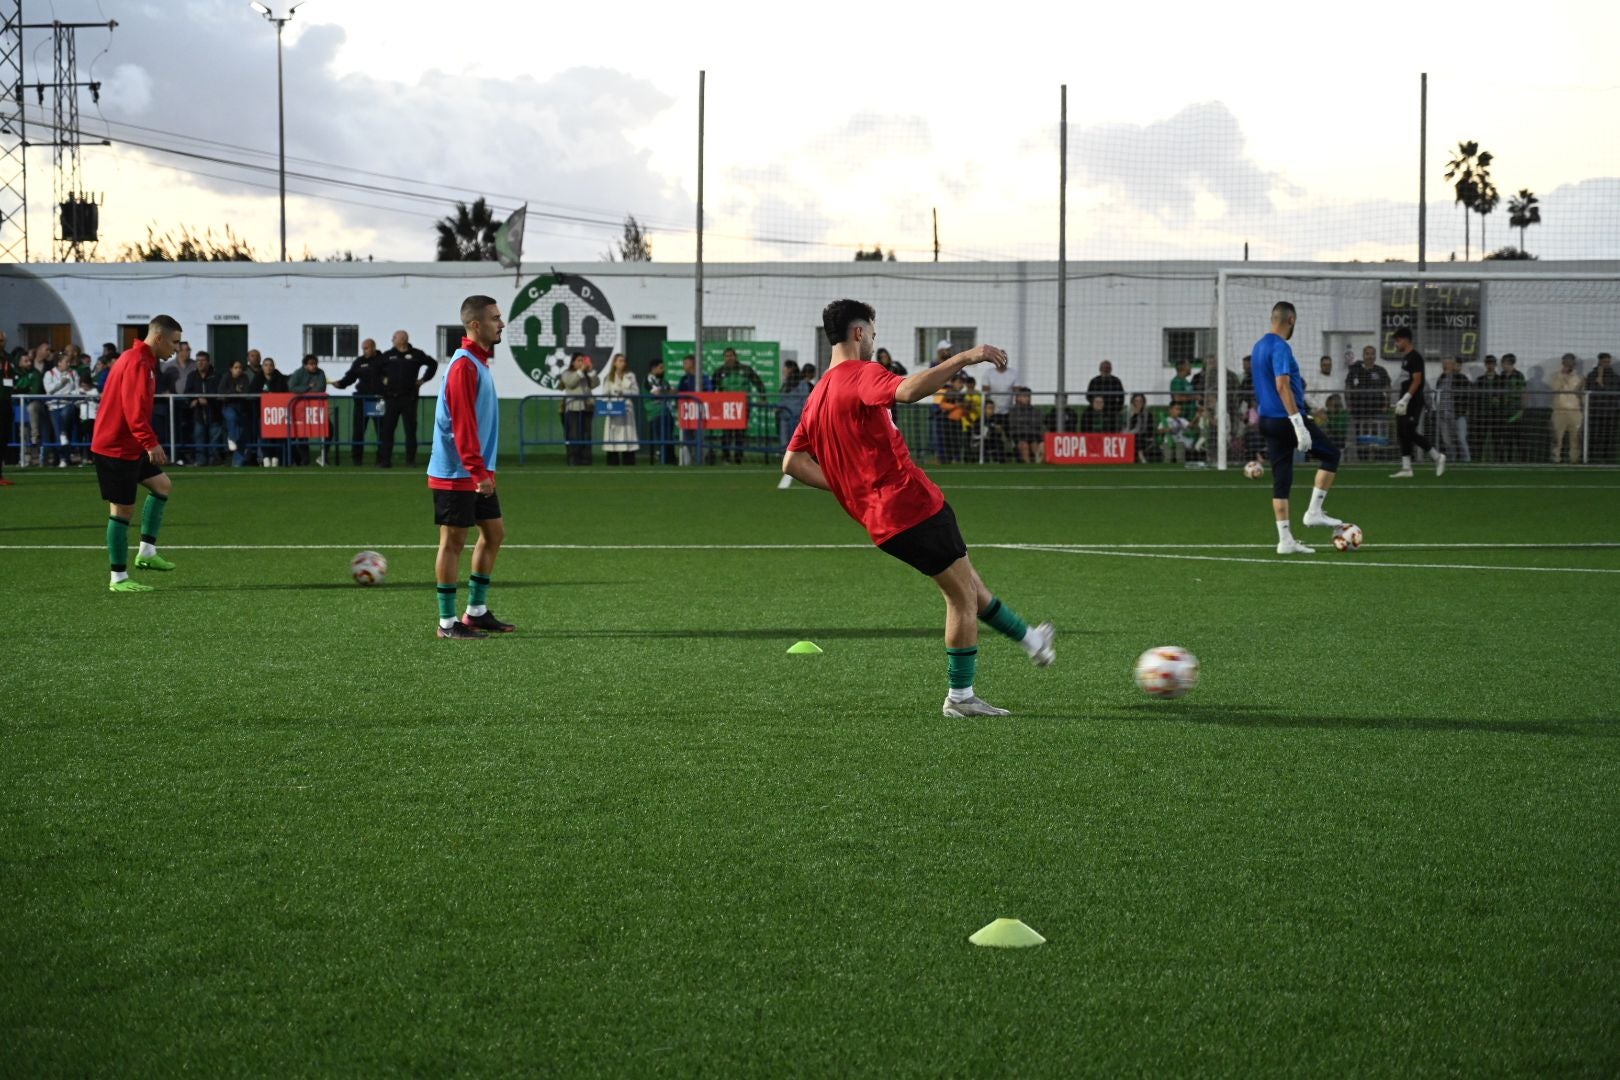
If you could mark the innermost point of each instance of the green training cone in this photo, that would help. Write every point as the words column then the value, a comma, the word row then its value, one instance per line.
column 804, row 648
column 1007, row 934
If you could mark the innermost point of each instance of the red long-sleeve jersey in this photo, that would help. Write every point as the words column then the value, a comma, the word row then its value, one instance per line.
column 124, row 417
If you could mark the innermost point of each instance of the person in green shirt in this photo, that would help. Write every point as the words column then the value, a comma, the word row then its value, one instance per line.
column 36, row 421
column 734, row 377
column 1511, row 388
column 1182, row 390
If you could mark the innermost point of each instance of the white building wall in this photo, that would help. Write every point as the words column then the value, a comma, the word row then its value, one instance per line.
column 1117, row 311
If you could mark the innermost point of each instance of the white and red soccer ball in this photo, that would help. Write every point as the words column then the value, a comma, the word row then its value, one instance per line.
column 1347, row 537
column 1254, row 470
column 368, row 568
column 1168, row 671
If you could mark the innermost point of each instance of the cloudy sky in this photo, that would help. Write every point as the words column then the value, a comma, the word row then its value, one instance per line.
column 1193, row 128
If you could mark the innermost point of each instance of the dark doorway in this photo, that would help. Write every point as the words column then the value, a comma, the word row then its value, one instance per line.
column 227, row 343
column 643, row 345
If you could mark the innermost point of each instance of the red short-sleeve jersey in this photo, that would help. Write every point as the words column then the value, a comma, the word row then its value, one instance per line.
column 847, row 427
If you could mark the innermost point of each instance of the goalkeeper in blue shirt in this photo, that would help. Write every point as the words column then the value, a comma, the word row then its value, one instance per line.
column 1279, row 391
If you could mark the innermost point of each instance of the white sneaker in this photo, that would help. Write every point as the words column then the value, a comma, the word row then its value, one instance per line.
column 1293, row 547
column 1440, row 465
column 973, row 706
column 1319, row 518
column 1045, row 653
column 1404, row 474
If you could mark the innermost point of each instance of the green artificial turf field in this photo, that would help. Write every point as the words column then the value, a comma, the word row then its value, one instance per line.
column 261, row 822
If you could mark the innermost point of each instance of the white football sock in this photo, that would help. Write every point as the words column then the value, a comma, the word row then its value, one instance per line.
column 1284, row 531
column 1406, row 462
column 147, row 549
column 445, row 624
column 120, row 575
column 1029, row 642
column 1434, row 455
column 964, row 694
column 476, row 610
column 1318, row 496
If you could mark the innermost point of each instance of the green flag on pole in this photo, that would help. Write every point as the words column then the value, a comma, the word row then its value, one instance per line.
column 509, row 239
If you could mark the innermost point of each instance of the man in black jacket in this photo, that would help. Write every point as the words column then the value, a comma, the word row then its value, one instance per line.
column 367, row 370
column 1106, row 385
column 207, row 421
column 402, row 379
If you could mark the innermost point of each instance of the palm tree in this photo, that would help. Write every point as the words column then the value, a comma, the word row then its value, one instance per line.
column 1485, row 203
column 1460, row 173
column 468, row 235
column 1524, row 211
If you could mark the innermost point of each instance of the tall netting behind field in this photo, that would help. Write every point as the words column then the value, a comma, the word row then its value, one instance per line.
column 1480, row 404
column 776, row 257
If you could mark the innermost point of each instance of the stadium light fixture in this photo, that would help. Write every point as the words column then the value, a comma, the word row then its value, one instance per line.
column 281, row 107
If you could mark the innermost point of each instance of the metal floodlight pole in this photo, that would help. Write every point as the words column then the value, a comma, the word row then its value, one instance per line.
column 1423, row 171
column 697, row 300
column 1063, row 251
column 281, row 136
column 1220, row 373
column 281, row 111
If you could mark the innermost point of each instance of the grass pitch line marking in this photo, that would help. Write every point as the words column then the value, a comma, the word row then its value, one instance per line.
column 1253, row 486
column 1307, row 561
column 1594, row 545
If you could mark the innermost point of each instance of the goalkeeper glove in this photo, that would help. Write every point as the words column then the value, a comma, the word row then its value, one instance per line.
column 1302, row 434
column 1400, row 406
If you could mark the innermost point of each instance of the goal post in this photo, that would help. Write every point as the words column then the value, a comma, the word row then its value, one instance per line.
column 1462, row 311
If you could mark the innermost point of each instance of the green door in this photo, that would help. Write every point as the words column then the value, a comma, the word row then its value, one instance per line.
column 643, row 345
column 227, row 343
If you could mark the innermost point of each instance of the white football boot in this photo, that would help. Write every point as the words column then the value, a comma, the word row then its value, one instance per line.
column 973, row 706
column 1044, row 652
column 1319, row 518
column 1291, row 546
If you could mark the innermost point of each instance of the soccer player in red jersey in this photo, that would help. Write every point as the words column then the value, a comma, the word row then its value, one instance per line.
column 846, row 443
column 128, row 455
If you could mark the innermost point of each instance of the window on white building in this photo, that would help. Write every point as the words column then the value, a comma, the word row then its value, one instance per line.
column 1190, row 344
column 962, row 338
column 332, row 343
column 450, row 340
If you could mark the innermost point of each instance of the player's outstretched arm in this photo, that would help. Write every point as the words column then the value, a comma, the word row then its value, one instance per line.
column 926, row 383
column 803, row 468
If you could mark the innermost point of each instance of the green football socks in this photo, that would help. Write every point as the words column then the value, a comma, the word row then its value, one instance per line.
column 118, row 544
column 152, row 517
column 1004, row 620
column 478, row 590
column 960, row 665
column 447, row 601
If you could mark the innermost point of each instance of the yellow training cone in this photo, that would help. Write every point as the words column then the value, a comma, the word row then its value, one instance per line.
column 804, row 648
column 1007, row 934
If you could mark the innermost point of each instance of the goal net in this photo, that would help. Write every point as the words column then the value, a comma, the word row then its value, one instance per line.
column 1466, row 322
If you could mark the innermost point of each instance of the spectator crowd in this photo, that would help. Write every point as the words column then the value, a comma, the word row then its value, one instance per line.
column 208, row 416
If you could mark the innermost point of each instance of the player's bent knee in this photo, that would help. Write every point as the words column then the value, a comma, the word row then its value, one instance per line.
column 1282, row 478
column 492, row 532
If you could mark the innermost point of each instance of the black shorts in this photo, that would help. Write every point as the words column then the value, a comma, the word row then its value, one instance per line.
column 929, row 546
column 120, row 477
column 462, row 509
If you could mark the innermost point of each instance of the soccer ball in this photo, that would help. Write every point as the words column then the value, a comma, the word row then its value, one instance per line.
column 1254, row 470
column 1347, row 537
column 1166, row 672
column 368, row 568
